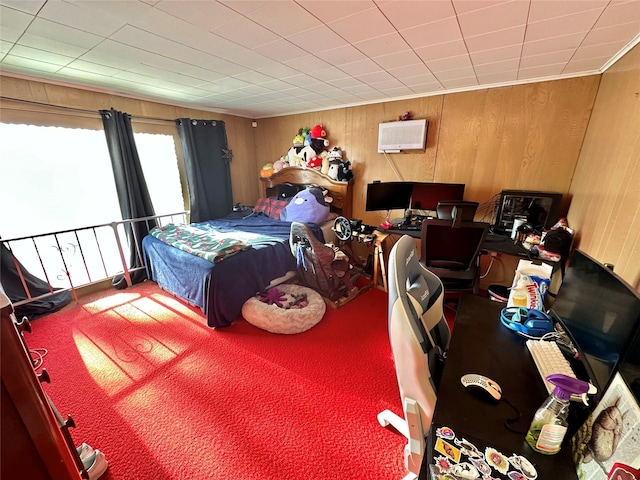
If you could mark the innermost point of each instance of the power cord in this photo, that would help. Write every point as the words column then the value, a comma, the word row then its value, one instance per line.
column 37, row 356
column 509, row 421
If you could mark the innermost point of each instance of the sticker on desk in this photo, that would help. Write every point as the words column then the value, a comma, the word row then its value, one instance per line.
column 447, row 449
column 468, row 462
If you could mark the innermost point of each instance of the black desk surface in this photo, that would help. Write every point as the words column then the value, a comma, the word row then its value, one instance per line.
column 480, row 344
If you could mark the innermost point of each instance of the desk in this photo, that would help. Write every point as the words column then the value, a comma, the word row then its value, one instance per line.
column 480, row 344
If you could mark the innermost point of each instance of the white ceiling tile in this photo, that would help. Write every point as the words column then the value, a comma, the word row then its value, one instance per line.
column 579, row 22
column 498, row 77
column 135, row 37
column 460, row 82
column 328, row 74
column 208, row 15
column 497, row 67
column 442, row 50
column 63, row 34
column 496, row 17
column 455, row 73
column 383, row 45
column 318, row 39
column 46, row 44
column 491, row 41
column 308, row 63
column 619, row 12
column 451, row 63
column 400, row 59
column 92, row 68
column 41, row 55
column 467, row 6
column 361, row 67
column 404, row 14
column 260, row 57
column 329, row 10
column 551, row 44
column 587, row 65
column 281, row 50
column 547, row 9
column 341, row 55
column 368, row 24
column 81, row 18
column 541, row 71
column 442, row 31
column 561, row 56
column 496, row 55
column 27, row 64
column 13, row 23
column 247, row 33
column 618, row 33
column 31, row 7
column 284, row 17
column 5, row 47
column 598, row 51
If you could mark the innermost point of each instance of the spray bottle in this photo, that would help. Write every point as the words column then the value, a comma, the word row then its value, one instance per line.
column 550, row 424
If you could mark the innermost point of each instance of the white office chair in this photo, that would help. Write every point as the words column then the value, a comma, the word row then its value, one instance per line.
column 419, row 337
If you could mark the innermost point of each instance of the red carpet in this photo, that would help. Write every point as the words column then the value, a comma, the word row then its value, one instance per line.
column 166, row 397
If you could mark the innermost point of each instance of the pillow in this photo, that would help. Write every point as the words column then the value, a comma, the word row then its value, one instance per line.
column 286, row 191
column 308, row 206
column 270, row 207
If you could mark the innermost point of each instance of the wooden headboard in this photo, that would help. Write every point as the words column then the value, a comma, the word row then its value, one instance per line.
column 340, row 191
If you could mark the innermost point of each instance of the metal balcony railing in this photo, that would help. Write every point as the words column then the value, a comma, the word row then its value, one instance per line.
column 70, row 259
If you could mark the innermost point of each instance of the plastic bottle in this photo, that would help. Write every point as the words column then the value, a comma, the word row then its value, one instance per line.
column 549, row 424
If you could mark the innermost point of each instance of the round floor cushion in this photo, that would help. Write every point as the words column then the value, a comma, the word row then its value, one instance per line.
column 302, row 308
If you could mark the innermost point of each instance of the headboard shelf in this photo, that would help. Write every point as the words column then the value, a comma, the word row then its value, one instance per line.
column 340, row 191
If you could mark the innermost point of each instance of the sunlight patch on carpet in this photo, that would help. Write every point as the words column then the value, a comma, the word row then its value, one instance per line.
column 110, row 301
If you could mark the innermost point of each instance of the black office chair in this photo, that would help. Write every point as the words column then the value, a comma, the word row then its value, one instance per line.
column 419, row 337
column 456, row 210
column 453, row 253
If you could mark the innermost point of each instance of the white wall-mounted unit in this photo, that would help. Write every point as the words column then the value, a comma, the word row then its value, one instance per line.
column 396, row 136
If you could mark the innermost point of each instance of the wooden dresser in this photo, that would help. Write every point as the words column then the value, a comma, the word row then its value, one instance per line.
column 35, row 443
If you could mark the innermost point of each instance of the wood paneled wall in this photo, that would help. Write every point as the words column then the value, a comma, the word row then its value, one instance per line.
column 239, row 131
column 605, row 209
column 524, row 137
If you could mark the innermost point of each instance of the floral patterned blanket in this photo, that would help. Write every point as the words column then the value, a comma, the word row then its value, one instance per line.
column 209, row 245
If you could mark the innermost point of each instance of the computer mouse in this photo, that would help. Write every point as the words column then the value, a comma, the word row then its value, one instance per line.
column 482, row 387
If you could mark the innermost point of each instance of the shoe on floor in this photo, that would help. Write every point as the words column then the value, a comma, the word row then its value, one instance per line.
column 95, row 464
column 85, row 450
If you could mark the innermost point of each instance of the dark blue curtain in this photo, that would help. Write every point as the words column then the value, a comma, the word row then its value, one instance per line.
column 133, row 195
column 206, row 158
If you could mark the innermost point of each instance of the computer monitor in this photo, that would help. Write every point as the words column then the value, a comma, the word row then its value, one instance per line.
column 426, row 195
column 465, row 211
column 540, row 209
column 601, row 314
column 388, row 196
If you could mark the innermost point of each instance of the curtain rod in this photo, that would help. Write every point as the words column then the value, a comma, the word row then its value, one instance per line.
column 83, row 110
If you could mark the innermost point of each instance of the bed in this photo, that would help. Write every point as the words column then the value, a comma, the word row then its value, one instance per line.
column 220, row 289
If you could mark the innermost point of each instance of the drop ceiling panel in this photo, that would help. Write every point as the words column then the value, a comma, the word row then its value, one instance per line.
column 266, row 58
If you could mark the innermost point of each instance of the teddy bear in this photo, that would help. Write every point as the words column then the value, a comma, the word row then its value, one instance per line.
column 319, row 141
column 345, row 172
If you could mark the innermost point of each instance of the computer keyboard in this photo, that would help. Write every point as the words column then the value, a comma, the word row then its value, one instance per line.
column 549, row 359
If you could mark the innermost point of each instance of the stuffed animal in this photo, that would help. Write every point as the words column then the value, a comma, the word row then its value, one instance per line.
column 334, row 168
column 318, row 139
column 266, row 170
column 315, row 162
column 345, row 172
column 308, row 206
column 292, row 154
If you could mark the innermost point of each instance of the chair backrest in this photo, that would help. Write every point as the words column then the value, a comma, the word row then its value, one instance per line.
column 448, row 247
column 416, row 319
column 314, row 260
column 458, row 211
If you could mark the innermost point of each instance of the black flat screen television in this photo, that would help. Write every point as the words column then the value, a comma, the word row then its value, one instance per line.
column 540, row 209
column 427, row 195
column 601, row 314
column 388, row 196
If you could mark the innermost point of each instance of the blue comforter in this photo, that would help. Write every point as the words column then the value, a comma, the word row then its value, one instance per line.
column 221, row 289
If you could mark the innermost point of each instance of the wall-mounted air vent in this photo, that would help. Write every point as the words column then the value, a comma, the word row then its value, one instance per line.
column 397, row 136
